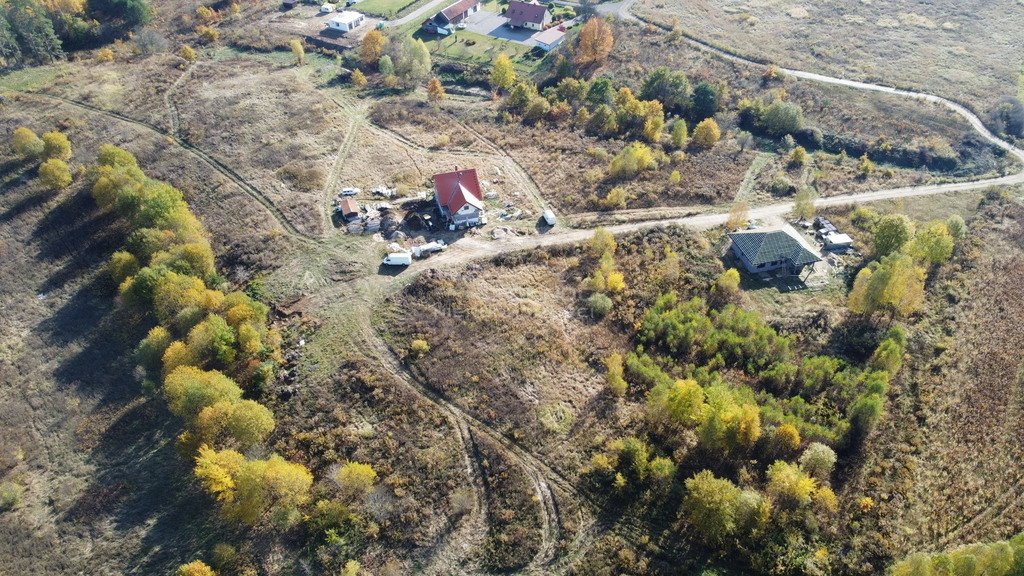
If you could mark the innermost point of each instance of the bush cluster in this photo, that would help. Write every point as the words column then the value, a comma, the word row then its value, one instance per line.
column 208, row 350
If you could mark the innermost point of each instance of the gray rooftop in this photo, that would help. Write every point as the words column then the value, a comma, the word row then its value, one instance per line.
column 763, row 247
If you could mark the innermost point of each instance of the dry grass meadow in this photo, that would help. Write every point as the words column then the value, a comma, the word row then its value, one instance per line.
column 971, row 51
column 944, row 466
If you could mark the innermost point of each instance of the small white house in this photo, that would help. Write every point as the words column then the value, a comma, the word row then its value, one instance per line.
column 549, row 39
column 346, row 21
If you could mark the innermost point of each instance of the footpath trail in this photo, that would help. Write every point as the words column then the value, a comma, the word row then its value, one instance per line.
column 224, row 170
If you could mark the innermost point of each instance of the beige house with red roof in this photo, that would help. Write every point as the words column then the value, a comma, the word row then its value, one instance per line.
column 458, row 197
column 529, row 15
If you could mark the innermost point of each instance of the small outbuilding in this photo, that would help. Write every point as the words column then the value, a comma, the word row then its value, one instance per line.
column 348, row 209
column 346, row 21
column 444, row 21
column 549, row 39
column 530, row 15
column 768, row 250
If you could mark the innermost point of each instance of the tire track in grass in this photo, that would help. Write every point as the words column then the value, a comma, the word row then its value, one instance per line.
column 538, row 475
column 205, row 157
column 172, row 107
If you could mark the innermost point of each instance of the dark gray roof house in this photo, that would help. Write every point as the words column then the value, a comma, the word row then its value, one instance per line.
column 767, row 250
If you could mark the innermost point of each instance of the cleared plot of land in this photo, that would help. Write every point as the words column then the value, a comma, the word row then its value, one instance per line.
column 514, row 344
column 968, row 51
column 511, row 346
column 285, row 133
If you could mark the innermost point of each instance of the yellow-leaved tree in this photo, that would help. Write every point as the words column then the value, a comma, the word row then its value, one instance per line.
column 55, row 174
column 241, row 423
column 435, row 91
column 706, row 134
column 252, row 491
column 298, row 51
column 358, row 79
column 371, row 48
column 26, row 143
column 594, row 43
column 503, row 74
column 894, row 285
column 356, row 479
column 195, row 568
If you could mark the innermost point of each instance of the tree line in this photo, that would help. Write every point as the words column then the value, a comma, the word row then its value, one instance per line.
column 40, row 31
column 1003, row 558
column 209, row 354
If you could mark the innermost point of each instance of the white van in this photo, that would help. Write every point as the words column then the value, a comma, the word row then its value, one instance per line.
column 549, row 217
column 397, row 259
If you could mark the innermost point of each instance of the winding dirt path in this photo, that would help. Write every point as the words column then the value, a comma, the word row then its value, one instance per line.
column 199, row 153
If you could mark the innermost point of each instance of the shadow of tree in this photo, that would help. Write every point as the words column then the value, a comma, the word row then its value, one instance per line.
column 140, row 484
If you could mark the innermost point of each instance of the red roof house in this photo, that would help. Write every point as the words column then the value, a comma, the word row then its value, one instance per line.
column 444, row 21
column 458, row 197
column 527, row 15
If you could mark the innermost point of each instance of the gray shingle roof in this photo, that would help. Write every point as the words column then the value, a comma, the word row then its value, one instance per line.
column 772, row 246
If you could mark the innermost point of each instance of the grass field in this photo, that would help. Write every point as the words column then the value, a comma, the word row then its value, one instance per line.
column 944, row 467
column 968, row 51
column 390, row 9
column 479, row 50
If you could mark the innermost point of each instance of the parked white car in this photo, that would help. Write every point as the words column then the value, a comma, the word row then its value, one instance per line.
column 397, row 259
column 549, row 217
column 350, row 191
column 327, row 8
column 427, row 249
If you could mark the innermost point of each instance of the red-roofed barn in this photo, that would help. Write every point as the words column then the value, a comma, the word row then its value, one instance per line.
column 458, row 197
column 444, row 21
column 527, row 15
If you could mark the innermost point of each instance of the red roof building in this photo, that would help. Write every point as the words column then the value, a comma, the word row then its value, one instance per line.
column 458, row 11
column 458, row 197
column 348, row 208
column 444, row 21
column 527, row 15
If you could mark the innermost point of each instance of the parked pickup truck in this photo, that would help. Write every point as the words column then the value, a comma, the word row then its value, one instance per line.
column 428, row 249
